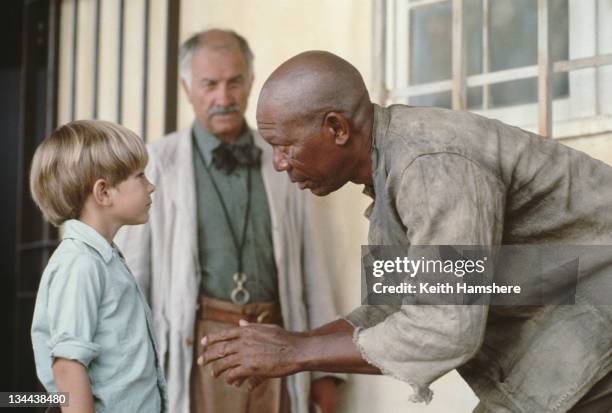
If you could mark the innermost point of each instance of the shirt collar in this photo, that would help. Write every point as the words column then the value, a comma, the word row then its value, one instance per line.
column 75, row 229
column 207, row 142
column 380, row 126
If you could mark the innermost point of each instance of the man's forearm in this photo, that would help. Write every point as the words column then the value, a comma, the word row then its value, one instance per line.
column 336, row 326
column 269, row 351
column 71, row 377
column 331, row 348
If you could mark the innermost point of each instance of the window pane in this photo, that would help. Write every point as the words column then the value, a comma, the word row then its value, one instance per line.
column 514, row 43
column 431, row 54
column 441, row 100
column 525, row 91
column 431, row 32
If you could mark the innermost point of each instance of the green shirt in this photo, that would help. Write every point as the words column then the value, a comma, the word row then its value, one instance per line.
column 217, row 252
column 90, row 309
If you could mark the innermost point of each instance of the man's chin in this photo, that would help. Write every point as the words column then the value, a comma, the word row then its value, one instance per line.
column 323, row 190
column 222, row 129
column 320, row 191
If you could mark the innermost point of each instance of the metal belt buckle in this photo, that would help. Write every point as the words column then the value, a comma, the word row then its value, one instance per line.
column 240, row 295
column 261, row 317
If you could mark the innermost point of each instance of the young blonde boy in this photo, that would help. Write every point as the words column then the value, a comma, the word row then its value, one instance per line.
column 92, row 331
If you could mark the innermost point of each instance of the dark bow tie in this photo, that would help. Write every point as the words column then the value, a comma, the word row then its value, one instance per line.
column 226, row 157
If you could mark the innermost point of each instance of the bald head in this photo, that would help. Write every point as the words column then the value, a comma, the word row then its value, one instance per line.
column 316, row 113
column 312, row 83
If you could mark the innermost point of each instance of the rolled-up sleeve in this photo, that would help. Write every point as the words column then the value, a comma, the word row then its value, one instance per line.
column 369, row 315
column 73, row 300
column 441, row 199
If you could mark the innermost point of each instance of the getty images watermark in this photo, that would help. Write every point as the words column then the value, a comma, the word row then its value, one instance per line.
column 485, row 275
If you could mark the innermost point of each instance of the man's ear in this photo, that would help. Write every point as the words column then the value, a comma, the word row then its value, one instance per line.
column 336, row 126
column 101, row 193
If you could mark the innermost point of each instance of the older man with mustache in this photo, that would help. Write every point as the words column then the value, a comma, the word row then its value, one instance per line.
column 228, row 239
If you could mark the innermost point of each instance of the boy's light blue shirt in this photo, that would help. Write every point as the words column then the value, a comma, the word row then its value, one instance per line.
column 90, row 309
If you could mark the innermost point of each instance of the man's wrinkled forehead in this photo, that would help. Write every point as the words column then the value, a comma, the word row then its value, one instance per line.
column 275, row 116
column 267, row 115
column 269, row 130
column 273, row 128
column 212, row 53
column 267, row 126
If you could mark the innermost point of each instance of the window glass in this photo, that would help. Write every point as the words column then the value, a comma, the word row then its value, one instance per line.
column 513, row 43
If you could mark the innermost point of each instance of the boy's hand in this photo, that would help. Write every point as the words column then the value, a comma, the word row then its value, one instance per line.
column 71, row 377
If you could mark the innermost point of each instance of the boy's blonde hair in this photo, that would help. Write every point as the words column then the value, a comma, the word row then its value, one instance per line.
column 68, row 163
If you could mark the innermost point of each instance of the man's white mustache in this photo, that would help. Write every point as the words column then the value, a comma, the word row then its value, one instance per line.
column 222, row 110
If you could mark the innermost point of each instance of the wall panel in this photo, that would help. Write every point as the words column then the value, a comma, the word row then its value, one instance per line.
column 114, row 89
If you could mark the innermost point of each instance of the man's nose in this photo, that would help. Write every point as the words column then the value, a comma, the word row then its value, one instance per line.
column 223, row 96
column 279, row 160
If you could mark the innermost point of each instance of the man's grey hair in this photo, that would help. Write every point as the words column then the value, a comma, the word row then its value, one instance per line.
column 199, row 40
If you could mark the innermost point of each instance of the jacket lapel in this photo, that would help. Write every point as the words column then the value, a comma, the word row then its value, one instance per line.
column 274, row 182
column 182, row 187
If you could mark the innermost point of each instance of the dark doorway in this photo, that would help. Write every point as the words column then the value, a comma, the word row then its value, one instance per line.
column 10, row 81
column 28, row 79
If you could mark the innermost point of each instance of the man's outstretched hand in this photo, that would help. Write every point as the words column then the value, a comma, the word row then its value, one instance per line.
column 260, row 351
column 253, row 350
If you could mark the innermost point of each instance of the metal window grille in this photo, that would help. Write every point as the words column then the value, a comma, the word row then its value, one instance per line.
column 393, row 42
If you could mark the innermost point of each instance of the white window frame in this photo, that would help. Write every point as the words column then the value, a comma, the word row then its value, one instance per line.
column 588, row 108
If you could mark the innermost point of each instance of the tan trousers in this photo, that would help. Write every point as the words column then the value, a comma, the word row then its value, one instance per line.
column 214, row 395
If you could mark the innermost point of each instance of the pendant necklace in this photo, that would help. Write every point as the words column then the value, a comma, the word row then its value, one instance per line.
column 240, row 295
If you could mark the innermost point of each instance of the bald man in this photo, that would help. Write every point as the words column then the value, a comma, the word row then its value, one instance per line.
column 228, row 238
column 437, row 177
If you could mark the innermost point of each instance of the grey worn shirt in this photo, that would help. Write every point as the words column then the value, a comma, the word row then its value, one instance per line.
column 217, row 253
column 447, row 177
